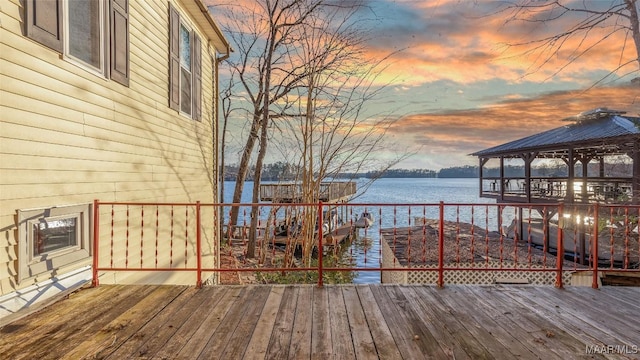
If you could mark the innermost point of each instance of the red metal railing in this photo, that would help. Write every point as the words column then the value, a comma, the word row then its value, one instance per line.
column 432, row 243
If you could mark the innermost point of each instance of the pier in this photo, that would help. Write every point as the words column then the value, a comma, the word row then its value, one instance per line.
column 330, row 192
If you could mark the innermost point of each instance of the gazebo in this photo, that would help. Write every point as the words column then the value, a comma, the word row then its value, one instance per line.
column 587, row 145
column 601, row 153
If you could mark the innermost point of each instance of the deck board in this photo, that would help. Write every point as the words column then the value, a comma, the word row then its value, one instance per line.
column 137, row 344
column 213, row 318
column 411, row 335
column 57, row 322
column 510, row 326
column 280, row 340
column 584, row 319
column 628, row 301
column 188, row 324
column 380, row 332
column 340, row 331
column 440, row 331
column 113, row 334
column 321, row 345
column 336, row 321
column 301, row 331
column 461, row 325
column 236, row 346
column 73, row 329
column 475, row 340
column 259, row 342
column 548, row 332
column 358, row 327
column 626, row 320
column 175, row 331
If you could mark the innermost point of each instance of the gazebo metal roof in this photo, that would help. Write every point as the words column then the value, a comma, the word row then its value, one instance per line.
column 595, row 133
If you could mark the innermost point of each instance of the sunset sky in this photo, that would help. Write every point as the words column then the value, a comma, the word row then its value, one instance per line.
column 457, row 85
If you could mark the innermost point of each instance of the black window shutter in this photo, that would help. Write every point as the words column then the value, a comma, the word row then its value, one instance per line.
column 197, row 77
column 120, row 41
column 174, row 58
column 44, row 23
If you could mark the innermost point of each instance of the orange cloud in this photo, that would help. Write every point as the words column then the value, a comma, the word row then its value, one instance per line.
column 458, row 42
column 453, row 134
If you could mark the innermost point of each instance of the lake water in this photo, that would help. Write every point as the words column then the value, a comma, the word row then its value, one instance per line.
column 393, row 191
column 403, row 191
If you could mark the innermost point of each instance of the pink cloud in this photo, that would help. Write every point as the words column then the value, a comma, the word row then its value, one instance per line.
column 466, row 131
column 458, row 42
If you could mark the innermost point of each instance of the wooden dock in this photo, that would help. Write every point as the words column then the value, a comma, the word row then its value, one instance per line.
column 339, row 321
column 329, row 192
column 336, row 237
column 342, row 233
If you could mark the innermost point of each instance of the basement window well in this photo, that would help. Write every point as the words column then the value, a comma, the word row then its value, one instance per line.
column 50, row 238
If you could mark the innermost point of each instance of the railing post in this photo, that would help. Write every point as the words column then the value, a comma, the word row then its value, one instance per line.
column 198, row 246
column 441, row 247
column 96, row 234
column 594, row 246
column 560, row 254
column 320, row 222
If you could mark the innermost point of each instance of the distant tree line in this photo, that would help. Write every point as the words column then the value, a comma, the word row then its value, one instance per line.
column 281, row 171
column 393, row 173
column 459, row 172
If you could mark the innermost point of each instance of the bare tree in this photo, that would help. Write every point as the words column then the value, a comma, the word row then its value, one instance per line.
column 591, row 23
column 324, row 118
column 288, row 54
column 261, row 36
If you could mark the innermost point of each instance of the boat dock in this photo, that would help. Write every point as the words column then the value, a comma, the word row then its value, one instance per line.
column 339, row 235
column 330, row 192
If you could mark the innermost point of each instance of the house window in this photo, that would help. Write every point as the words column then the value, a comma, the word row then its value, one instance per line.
column 80, row 29
column 85, row 38
column 50, row 238
column 185, row 70
column 185, row 84
column 51, row 235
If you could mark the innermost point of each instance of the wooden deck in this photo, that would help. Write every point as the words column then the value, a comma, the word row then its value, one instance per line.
column 334, row 322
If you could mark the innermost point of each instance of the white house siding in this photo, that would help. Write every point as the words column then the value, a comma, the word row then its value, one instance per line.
column 69, row 136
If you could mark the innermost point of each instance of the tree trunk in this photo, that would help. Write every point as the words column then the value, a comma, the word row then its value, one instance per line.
column 257, row 175
column 263, row 126
column 243, row 168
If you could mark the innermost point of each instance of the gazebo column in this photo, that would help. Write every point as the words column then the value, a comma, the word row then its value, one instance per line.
column 569, row 199
column 635, row 184
column 502, row 178
column 571, row 176
column 528, row 159
column 585, row 160
column 601, row 168
column 483, row 161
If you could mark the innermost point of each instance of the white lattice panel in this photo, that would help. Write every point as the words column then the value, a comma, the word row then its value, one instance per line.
column 478, row 277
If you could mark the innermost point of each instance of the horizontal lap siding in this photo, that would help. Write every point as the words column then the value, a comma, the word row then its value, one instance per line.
column 69, row 136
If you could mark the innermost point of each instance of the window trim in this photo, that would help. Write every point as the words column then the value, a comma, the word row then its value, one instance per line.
column 30, row 266
column 175, row 67
column 104, row 50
